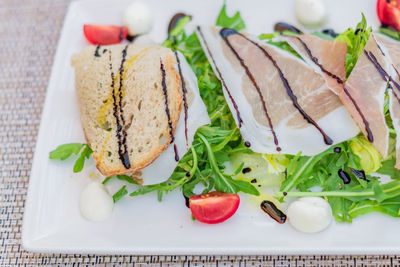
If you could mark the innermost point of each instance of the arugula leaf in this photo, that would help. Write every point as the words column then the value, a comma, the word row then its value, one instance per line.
column 389, row 32
column 235, row 22
column 388, row 168
column 63, row 152
column 356, row 40
column 390, row 207
column 120, row 194
column 85, row 154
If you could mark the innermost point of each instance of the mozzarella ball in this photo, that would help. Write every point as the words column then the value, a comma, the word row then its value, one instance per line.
column 95, row 202
column 137, row 18
column 310, row 214
column 310, row 13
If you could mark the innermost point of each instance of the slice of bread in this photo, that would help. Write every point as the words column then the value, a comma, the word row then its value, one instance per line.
column 127, row 134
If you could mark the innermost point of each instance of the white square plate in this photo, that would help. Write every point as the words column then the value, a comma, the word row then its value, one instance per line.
column 143, row 225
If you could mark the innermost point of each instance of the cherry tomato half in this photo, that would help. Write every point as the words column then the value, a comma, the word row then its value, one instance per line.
column 104, row 34
column 214, row 207
column 389, row 12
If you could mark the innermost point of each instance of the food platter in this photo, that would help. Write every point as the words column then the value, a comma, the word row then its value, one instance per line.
column 143, row 225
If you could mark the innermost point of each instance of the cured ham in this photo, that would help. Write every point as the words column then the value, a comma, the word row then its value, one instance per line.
column 326, row 57
column 392, row 50
column 364, row 94
column 279, row 102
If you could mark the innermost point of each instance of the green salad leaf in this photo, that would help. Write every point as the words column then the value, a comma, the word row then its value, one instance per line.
column 235, row 22
column 356, row 40
column 65, row 151
column 390, row 32
column 120, row 194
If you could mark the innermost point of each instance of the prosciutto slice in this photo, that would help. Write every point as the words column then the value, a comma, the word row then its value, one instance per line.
column 279, row 102
column 391, row 49
column 364, row 95
column 326, row 57
column 364, row 92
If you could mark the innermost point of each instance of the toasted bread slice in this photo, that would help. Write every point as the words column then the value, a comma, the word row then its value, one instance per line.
column 122, row 94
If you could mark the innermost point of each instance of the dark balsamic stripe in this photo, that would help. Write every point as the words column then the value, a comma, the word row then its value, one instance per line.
column 283, row 26
column 96, row 52
column 386, row 77
column 176, row 153
column 366, row 123
column 239, row 119
column 344, row 176
column 118, row 111
column 184, row 91
column 315, row 60
column 121, row 34
column 289, row 90
column 164, row 87
column 115, row 112
column 225, row 32
column 371, row 57
column 275, row 213
column 396, row 85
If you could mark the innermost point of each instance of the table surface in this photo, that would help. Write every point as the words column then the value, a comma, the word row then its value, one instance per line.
column 29, row 31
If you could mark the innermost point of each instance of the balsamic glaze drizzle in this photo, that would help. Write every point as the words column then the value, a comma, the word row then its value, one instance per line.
column 121, row 34
column 360, row 174
column 164, row 87
column 366, row 123
column 246, row 170
column 386, row 77
column 225, row 32
column 184, row 93
column 239, row 119
column 123, row 155
column 96, row 52
column 174, row 21
column 344, row 176
column 275, row 213
column 315, row 60
column 330, row 32
column 123, row 147
column 283, row 26
column 337, row 149
column 176, row 153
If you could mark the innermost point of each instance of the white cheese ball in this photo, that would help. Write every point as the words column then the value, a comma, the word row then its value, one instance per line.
column 310, row 13
column 138, row 18
column 95, row 202
column 309, row 214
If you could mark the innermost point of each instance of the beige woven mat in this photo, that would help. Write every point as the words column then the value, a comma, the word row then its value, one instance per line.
column 29, row 31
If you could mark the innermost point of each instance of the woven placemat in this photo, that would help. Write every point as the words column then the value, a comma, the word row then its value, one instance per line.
column 29, row 31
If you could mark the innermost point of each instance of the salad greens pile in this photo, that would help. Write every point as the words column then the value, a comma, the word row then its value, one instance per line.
column 204, row 167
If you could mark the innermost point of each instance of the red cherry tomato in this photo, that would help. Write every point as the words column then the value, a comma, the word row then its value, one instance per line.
column 389, row 12
column 104, row 34
column 214, row 207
